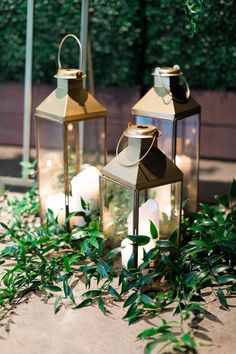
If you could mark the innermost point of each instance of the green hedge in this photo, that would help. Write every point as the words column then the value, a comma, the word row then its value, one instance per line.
column 208, row 57
column 129, row 38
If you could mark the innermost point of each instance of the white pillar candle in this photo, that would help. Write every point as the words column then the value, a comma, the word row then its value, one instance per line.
column 163, row 197
column 147, row 211
column 56, row 202
column 86, row 186
column 184, row 163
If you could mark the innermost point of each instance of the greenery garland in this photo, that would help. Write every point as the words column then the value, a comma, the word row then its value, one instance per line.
column 47, row 258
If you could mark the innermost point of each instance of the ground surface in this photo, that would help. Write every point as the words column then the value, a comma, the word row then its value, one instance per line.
column 34, row 329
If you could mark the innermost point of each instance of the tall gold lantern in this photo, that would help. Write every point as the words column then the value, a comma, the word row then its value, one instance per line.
column 170, row 107
column 71, row 145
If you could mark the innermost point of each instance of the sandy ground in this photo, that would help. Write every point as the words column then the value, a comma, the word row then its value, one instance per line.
column 33, row 328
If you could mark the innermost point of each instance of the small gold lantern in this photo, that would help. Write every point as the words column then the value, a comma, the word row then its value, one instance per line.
column 71, row 145
column 141, row 184
column 170, row 107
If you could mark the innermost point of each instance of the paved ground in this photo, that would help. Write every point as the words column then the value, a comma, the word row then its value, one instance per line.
column 34, row 329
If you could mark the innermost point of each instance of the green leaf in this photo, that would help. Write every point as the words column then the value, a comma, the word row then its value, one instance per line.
column 187, row 278
column 220, row 268
column 131, row 299
column 130, row 263
column 233, row 189
column 223, row 200
column 132, row 311
column 147, row 279
column 84, row 303
column 57, row 304
column 67, row 264
column 4, row 226
column 114, row 293
column 187, row 340
column 166, row 337
column 65, row 286
column 224, row 279
column 166, row 244
column 113, row 252
column 222, row 298
column 151, row 346
column 147, row 300
column 139, row 240
column 92, row 293
column 39, row 254
column 101, row 305
column 51, row 287
column 102, row 271
column 94, row 242
column 83, row 204
column 152, row 331
column 153, row 230
column 213, row 259
column 90, row 253
column 70, row 294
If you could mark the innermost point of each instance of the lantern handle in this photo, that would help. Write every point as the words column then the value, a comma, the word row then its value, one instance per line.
column 60, row 46
column 169, row 92
column 136, row 162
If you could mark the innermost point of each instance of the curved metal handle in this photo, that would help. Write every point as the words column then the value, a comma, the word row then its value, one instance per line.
column 60, row 46
column 136, row 162
column 170, row 93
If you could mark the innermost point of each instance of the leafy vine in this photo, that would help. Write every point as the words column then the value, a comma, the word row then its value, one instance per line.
column 49, row 259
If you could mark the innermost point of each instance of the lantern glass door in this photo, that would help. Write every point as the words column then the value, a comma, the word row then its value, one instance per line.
column 50, row 165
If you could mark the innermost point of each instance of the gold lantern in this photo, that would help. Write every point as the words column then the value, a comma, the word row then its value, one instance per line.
column 71, row 145
column 132, row 195
column 169, row 106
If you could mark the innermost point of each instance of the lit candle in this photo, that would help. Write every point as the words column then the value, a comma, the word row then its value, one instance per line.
column 86, row 186
column 147, row 211
column 184, row 163
column 56, row 202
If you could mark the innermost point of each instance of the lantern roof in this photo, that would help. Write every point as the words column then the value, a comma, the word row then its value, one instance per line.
column 70, row 101
column 157, row 103
column 154, row 170
column 167, row 99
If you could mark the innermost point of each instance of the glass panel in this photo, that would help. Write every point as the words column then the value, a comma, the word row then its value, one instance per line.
column 86, row 144
column 168, row 199
column 117, row 204
column 166, row 127
column 86, row 151
column 187, row 159
column 50, row 167
column 187, row 151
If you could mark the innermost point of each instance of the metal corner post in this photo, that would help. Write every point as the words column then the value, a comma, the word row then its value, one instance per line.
column 28, row 80
column 84, row 34
column 84, row 43
column 25, row 181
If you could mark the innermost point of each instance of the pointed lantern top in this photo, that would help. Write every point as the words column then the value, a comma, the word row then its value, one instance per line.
column 70, row 101
column 141, row 164
column 167, row 99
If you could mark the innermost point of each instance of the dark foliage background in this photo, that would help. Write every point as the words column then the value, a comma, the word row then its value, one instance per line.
column 129, row 39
